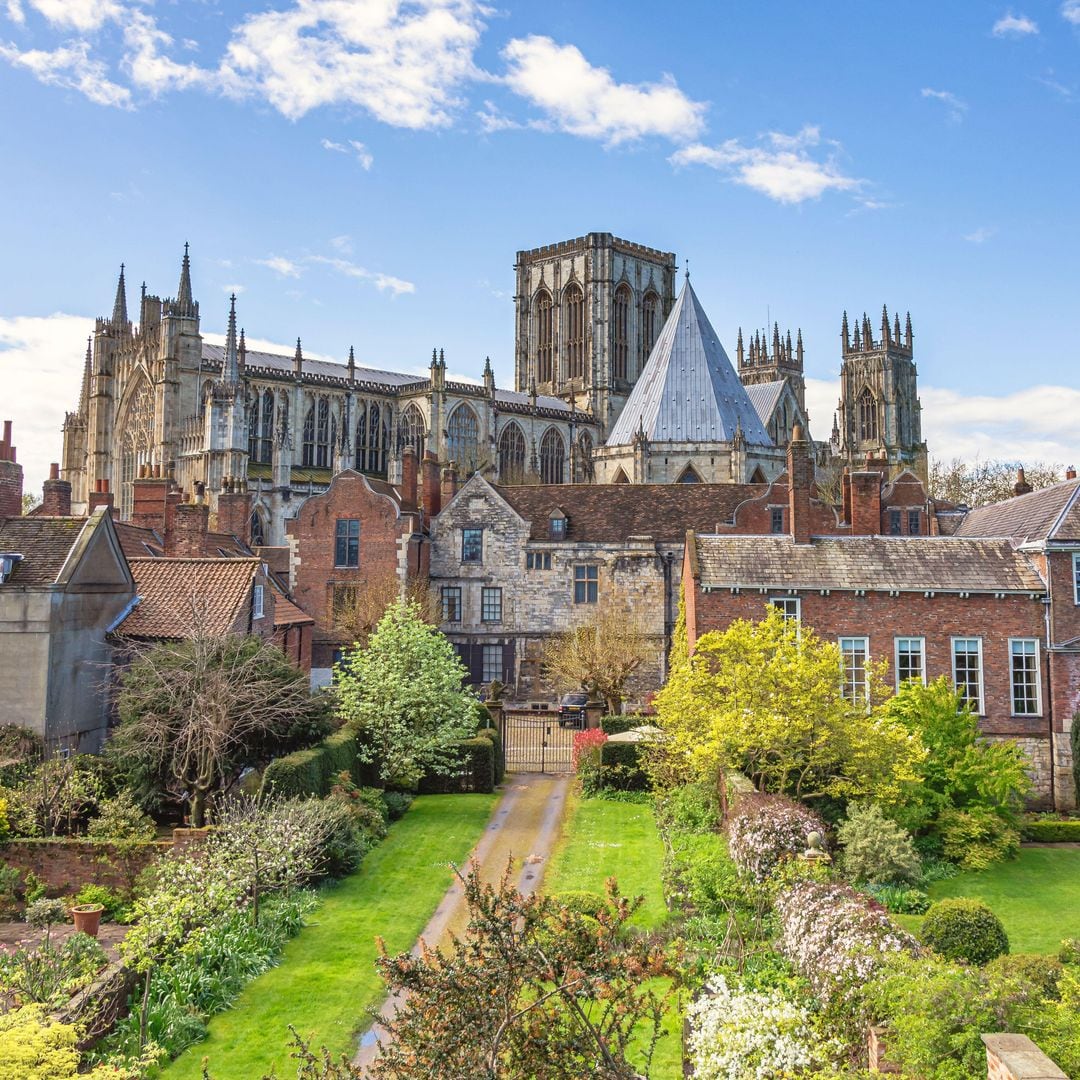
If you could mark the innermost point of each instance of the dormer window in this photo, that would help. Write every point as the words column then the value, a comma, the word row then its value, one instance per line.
column 557, row 526
column 8, row 562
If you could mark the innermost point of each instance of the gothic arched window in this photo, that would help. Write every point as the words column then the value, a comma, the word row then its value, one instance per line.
column 463, row 438
column 511, row 455
column 370, row 438
column 543, row 337
column 868, row 416
column 258, row 529
column 689, row 476
column 620, row 360
column 322, row 434
column 650, row 318
column 574, row 300
column 137, row 442
column 584, row 458
column 412, row 431
column 261, row 428
column 552, row 453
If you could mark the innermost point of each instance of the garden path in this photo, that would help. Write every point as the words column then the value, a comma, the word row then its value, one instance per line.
column 523, row 830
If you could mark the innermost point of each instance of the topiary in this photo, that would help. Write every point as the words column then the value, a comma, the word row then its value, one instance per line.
column 1039, row 972
column 964, row 929
column 876, row 848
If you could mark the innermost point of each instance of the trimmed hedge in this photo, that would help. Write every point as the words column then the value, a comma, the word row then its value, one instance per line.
column 616, row 725
column 492, row 733
column 313, row 772
column 962, row 929
column 475, row 774
column 1051, row 830
column 620, row 767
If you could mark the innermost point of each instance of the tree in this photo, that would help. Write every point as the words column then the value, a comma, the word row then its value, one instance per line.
column 533, row 991
column 979, row 483
column 194, row 713
column 404, row 695
column 364, row 605
column 768, row 698
column 599, row 655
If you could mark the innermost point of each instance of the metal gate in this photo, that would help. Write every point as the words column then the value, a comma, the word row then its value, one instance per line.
column 534, row 742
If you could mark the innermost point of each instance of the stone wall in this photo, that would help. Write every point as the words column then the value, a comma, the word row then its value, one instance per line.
column 1016, row 1057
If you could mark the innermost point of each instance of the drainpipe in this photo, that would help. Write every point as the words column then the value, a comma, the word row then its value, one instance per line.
column 1050, row 686
column 667, row 561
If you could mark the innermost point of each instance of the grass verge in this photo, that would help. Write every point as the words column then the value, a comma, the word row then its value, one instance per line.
column 326, row 979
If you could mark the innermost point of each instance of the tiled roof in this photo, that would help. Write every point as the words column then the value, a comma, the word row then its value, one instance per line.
column 286, row 613
column 688, row 390
column 173, row 592
column 1050, row 513
column 139, row 543
column 44, row 543
column 873, row 563
column 609, row 513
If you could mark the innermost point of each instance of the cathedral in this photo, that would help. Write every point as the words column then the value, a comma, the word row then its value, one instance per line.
column 617, row 379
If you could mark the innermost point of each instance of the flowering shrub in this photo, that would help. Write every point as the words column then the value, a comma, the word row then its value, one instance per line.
column 586, row 757
column 764, row 830
column 836, row 937
column 739, row 1034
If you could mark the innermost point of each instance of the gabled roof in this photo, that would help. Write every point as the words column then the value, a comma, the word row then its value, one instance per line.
column 688, row 391
column 765, row 397
column 1051, row 513
column 873, row 563
column 280, row 362
column 44, row 543
column 173, row 593
column 610, row 513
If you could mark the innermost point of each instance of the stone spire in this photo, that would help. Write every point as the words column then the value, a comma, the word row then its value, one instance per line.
column 119, row 311
column 84, row 395
column 184, row 301
column 230, row 368
column 799, row 349
column 489, row 376
column 241, row 351
column 298, row 360
column 907, row 331
column 885, row 335
column 352, row 365
column 844, row 334
column 740, row 352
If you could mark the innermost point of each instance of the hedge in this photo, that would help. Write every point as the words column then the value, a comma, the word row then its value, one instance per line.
column 475, row 774
column 492, row 733
column 620, row 768
column 314, row 772
column 616, row 725
column 1051, row 830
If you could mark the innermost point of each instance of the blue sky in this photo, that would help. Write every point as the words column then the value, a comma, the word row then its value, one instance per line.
column 363, row 171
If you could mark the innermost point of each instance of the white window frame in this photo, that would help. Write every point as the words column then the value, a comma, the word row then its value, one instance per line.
column 980, row 705
column 1076, row 578
column 896, row 656
column 484, row 668
column 1038, row 677
column 781, row 604
column 847, row 684
column 257, row 602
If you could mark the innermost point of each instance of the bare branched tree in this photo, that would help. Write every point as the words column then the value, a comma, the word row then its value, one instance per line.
column 361, row 606
column 979, row 483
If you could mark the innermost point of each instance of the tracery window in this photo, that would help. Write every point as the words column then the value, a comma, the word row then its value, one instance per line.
column 868, row 416
column 511, row 455
column 463, row 438
column 552, row 453
column 543, row 337
column 620, row 361
column 137, row 442
column 412, row 431
column 650, row 315
column 317, row 435
column 575, row 331
column 261, row 428
column 258, row 530
column 371, row 438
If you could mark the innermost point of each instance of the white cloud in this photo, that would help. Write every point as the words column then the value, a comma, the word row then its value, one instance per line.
column 363, row 155
column 70, row 66
column 980, row 235
column 82, row 15
column 230, row 290
column 15, row 12
column 281, row 266
column 783, row 169
column 581, row 99
column 1033, row 424
column 401, row 60
column 1011, row 25
column 955, row 106
column 342, row 244
column 41, row 365
column 149, row 70
column 1070, row 11
column 383, row 282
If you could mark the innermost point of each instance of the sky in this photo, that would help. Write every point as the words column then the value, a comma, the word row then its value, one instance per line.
column 362, row 172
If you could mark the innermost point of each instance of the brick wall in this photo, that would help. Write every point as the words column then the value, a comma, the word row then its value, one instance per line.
column 11, row 477
column 56, row 494
column 66, row 865
column 1016, row 1057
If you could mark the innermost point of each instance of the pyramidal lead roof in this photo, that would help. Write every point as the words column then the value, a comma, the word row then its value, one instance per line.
column 689, row 391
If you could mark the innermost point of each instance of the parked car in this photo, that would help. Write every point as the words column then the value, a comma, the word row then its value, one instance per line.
column 572, row 710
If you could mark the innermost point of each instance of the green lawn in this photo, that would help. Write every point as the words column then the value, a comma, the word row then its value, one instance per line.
column 604, row 839
column 1036, row 895
column 326, row 979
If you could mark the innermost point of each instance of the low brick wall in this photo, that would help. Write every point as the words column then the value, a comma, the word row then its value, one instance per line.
column 66, row 864
column 1016, row 1057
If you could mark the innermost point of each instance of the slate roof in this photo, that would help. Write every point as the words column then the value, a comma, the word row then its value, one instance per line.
column 688, row 391
column 609, row 513
column 873, row 563
column 279, row 362
column 1051, row 513
column 166, row 587
column 764, row 397
column 45, row 544
column 139, row 542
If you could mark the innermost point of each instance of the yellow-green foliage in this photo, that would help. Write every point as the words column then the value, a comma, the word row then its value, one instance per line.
column 766, row 698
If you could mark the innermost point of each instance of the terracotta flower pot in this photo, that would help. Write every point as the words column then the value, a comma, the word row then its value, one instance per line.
column 87, row 918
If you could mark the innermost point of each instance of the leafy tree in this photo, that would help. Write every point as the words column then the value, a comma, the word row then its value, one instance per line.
column 404, row 695
column 978, row 483
column 961, row 771
column 599, row 655
column 365, row 605
column 194, row 713
column 767, row 698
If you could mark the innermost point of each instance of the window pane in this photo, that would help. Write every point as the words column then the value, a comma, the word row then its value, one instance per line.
column 776, row 523
column 491, row 605
column 967, row 670
column 451, row 603
column 788, row 606
column 493, row 663
column 854, row 683
column 914, row 523
column 472, row 545
column 894, row 522
column 909, row 660
column 1025, row 677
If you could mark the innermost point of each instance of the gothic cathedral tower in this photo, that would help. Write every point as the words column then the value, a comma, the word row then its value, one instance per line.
column 879, row 412
column 588, row 314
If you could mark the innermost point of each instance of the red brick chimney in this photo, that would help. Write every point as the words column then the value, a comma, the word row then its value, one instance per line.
column 845, row 495
column 865, row 503
column 148, row 500
column 408, row 476
column 1070, row 472
column 11, row 477
column 234, row 509
column 186, row 525
column 429, row 470
column 100, row 496
column 1021, row 487
column 800, row 468
column 56, row 494
column 449, row 484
